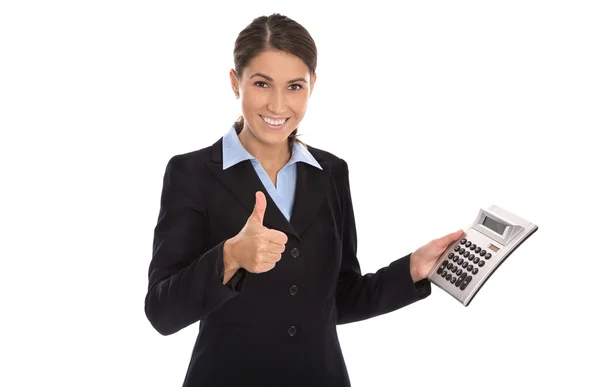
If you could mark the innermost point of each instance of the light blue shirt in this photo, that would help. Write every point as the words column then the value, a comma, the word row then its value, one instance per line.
column 283, row 195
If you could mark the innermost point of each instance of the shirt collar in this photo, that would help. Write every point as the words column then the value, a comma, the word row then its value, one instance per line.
column 234, row 152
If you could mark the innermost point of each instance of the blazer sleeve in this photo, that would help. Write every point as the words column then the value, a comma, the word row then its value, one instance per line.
column 359, row 297
column 185, row 277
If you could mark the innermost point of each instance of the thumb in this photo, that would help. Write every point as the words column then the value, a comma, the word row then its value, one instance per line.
column 259, row 208
column 453, row 236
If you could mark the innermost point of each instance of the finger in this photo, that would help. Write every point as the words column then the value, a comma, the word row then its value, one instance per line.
column 278, row 237
column 260, row 206
column 446, row 240
column 276, row 248
column 270, row 257
column 264, row 267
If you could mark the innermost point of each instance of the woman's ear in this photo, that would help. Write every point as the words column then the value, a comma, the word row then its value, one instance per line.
column 234, row 83
column 312, row 83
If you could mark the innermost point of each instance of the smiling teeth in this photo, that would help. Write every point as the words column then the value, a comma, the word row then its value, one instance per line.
column 273, row 122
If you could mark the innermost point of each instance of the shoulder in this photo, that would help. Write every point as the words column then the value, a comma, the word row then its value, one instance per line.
column 322, row 156
column 190, row 162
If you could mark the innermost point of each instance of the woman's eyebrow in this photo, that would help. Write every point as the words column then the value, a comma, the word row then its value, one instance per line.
column 271, row 79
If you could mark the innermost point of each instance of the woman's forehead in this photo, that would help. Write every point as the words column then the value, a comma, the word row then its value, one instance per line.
column 280, row 66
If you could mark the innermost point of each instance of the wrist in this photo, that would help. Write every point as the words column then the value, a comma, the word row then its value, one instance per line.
column 229, row 263
column 414, row 272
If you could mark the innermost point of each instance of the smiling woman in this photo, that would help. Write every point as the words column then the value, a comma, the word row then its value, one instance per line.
column 275, row 63
column 256, row 236
column 274, row 89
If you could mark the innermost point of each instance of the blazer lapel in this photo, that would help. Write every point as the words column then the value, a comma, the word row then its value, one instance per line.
column 243, row 182
column 311, row 188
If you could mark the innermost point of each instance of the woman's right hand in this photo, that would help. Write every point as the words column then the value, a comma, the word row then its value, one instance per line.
column 255, row 248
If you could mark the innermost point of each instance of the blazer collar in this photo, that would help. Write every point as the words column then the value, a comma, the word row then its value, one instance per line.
column 234, row 152
column 243, row 182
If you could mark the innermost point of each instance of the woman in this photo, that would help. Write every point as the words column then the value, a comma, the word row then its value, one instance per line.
column 256, row 236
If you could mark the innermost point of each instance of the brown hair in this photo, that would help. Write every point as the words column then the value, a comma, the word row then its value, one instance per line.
column 275, row 32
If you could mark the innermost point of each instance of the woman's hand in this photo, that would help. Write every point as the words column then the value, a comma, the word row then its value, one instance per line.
column 425, row 257
column 255, row 248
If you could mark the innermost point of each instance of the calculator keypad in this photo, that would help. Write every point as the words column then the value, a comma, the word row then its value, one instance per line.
column 466, row 255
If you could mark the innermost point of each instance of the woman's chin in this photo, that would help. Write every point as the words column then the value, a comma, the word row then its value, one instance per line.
column 273, row 137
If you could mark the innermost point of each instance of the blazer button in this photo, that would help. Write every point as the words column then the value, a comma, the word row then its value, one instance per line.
column 293, row 290
column 292, row 330
column 295, row 252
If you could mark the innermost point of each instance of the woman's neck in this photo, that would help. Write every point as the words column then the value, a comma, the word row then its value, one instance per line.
column 270, row 157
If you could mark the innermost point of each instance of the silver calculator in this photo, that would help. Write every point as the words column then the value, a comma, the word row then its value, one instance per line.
column 469, row 262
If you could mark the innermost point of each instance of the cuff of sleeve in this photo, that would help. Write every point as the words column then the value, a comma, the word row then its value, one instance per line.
column 423, row 288
column 207, row 285
column 420, row 289
column 236, row 283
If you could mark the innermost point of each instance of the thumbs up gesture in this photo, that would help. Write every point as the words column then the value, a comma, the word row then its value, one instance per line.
column 256, row 248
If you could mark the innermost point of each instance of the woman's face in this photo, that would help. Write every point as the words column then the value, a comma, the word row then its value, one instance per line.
column 274, row 89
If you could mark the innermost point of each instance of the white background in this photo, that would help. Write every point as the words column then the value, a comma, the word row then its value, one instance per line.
column 439, row 107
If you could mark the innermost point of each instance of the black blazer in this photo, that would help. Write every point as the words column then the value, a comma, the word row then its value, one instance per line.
column 276, row 328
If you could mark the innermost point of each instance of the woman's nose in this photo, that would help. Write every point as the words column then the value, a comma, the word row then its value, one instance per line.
column 276, row 103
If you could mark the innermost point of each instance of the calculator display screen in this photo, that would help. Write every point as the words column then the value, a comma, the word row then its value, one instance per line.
column 494, row 226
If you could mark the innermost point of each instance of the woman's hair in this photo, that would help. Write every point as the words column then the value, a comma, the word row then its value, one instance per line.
column 276, row 32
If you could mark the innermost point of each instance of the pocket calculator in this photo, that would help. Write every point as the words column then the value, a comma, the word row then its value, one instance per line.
column 468, row 263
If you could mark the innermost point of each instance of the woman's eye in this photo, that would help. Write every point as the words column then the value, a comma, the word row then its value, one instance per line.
column 263, row 85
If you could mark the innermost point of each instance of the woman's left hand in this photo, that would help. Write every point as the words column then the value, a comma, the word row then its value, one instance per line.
column 425, row 257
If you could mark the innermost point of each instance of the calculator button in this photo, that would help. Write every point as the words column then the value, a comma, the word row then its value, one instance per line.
column 461, row 251
column 483, row 252
column 454, row 269
column 465, row 264
column 488, row 256
column 452, row 280
column 444, row 273
column 475, row 271
column 455, row 258
column 469, row 268
column 461, row 278
column 481, row 263
column 466, row 282
column 457, row 248
column 440, row 270
column 460, row 261
column 468, row 244
column 477, row 250
column 462, row 242
column 476, row 259
column 466, row 254
column 444, row 264
column 471, row 257
column 459, row 272
column 450, row 256
column 449, row 276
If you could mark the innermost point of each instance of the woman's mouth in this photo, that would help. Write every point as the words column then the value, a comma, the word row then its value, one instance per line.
column 274, row 123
